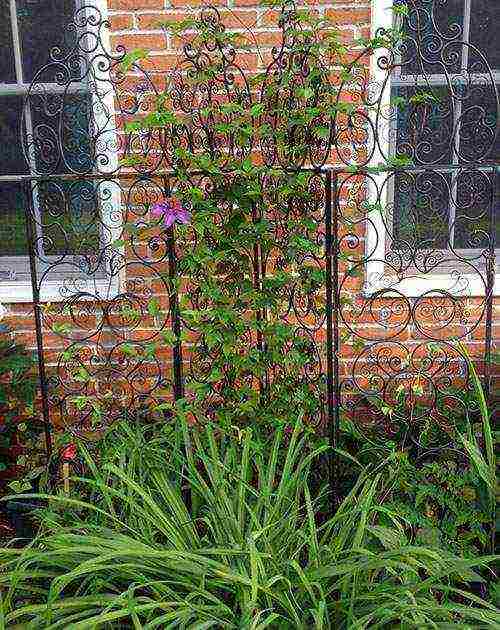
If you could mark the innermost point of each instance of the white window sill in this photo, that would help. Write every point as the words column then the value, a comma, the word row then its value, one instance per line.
column 457, row 285
column 54, row 291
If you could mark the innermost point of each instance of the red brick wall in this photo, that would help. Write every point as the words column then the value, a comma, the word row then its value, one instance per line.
column 135, row 24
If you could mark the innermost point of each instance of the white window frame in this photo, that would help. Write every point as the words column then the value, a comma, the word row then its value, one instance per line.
column 377, row 278
column 52, row 289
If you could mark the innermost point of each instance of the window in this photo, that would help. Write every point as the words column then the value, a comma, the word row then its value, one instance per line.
column 47, row 128
column 444, row 120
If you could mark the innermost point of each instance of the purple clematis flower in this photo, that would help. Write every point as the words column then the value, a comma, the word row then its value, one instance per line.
column 171, row 211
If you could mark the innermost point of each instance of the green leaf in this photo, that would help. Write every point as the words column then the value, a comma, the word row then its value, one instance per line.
column 257, row 109
column 322, row 132
column 154, row 307
column 128, row 349
column 132, row 127
column 130, row 58
column 61, row 329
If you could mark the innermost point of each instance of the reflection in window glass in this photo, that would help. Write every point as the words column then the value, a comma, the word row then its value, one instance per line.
column 62, row 141
column 484, row 23
column 11, row 155
column 479, row 140
column 42, row 28
column 429, row 21
column 12, row 220
column 70, row 217
column 424, row 124
column 7, row 66
column 475, row 197
column 422, row 201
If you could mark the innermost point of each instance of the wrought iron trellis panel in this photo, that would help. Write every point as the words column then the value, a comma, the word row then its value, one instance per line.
column 79, row 196
column 345, row 380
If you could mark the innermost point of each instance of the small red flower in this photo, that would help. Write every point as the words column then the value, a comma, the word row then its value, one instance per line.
column 69, row 452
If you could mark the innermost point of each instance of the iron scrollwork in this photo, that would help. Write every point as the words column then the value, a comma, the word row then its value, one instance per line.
column 426, row 217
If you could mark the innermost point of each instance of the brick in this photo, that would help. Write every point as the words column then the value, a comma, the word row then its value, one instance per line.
column 17, row 323
column 444, row 333
column 348, row 16
column 121, row 22
column 49, row 339
column 177, row 42
column 194, row 3
column 133, row 5
column 163, row 63
column 139, row 40
column 270, row 18
column 377, row 333
column 353, row 3
column 235, row 19
column 247, row 3
column 152, row 21
column 269, row 38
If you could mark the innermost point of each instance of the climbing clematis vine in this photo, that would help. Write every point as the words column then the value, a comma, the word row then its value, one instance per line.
column 172, row 211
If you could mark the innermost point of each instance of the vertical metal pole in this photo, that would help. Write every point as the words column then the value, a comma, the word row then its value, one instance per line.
column 174, row 308
column 332, row 332
column 336, row 333
column 176, row 329
column 259, row 315
column 263, row 272
column 490, row 283
column 42, row 375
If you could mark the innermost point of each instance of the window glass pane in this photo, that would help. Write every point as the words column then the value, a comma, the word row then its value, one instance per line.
column 479, row 141
column 70, row 217
column 484, row 23
column 12, row 224
column 69, row 209
column 61, row 136
column 496, row 213
column 425, row 124
column 11, row 155
column 7, row 67
column 474, row 197
column 12, row 200
column 434, row 37
column 421, row 210
column 43, row 26
column 76, row 129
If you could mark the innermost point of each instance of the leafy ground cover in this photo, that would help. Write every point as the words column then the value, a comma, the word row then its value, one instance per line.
column 199, row 528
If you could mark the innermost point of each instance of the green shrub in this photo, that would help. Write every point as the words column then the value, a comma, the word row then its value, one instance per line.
column 441, row 483
column 20, row 429
column 195, row 528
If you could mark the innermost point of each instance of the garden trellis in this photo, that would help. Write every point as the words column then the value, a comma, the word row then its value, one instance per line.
column 371, row 252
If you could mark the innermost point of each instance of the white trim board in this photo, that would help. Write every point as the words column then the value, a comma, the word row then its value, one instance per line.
column 53, row 291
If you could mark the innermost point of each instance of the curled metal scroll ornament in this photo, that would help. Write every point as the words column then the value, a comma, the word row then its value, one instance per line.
column 410, row 394
column 418, row 239
column 208, row 91
column 293, row 272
